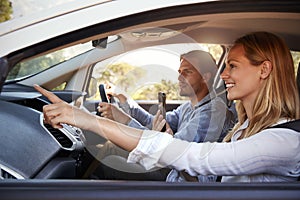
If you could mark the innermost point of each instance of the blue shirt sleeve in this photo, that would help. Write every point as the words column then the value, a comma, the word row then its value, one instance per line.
column 206, row 122
column 135, row 124
column 143, row 119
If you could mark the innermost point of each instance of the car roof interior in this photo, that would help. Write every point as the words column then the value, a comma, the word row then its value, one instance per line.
column 217, row 28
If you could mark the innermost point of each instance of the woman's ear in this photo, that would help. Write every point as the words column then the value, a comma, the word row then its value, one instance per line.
column 266, row 68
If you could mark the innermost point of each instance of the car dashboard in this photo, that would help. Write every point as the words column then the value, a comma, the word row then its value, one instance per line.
column 31, row 149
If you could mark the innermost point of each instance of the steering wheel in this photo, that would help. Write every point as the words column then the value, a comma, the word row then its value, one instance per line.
column 103, row 95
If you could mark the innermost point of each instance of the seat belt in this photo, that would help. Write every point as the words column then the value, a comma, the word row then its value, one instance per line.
column 294, row 125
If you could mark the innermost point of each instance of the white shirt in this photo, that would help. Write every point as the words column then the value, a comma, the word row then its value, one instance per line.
column 272, row 155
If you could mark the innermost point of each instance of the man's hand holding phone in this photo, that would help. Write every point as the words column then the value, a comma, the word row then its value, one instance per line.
column 159, row 123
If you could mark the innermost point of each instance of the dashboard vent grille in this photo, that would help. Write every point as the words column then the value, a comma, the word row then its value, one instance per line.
column 60, row 136
column 6, row 175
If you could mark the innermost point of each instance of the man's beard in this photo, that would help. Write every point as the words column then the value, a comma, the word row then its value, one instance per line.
column 186, row 92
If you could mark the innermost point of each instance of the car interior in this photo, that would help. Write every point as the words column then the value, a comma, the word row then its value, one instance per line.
column 31, row 149
column 38, row 161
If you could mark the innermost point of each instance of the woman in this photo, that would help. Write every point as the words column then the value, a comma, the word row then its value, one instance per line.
column 259, row 74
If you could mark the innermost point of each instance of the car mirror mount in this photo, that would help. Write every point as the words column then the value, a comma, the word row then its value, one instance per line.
column 100, row 43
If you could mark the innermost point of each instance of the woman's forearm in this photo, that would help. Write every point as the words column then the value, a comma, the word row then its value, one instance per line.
column 60, row 112
column 121, row 135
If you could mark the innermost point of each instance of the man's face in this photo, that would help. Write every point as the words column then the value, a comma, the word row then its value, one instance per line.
column 190, row 79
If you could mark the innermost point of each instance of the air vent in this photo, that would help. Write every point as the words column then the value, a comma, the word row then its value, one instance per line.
column 6, row 173
column 63, row 140
column 68, row 137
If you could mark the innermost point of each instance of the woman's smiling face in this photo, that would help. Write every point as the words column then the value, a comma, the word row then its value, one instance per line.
column 242, row 79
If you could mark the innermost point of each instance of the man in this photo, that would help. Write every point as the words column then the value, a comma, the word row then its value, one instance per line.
column 205, row 117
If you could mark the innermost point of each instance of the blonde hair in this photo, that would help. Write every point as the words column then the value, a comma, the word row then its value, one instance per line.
column 279, row 96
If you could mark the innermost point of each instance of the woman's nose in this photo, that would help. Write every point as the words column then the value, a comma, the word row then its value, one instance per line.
column 225, row 74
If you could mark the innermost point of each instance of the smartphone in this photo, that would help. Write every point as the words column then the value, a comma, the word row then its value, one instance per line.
column 162, row 106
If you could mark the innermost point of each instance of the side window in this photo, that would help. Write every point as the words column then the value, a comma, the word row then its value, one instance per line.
column 296, row 58
column 142, row 73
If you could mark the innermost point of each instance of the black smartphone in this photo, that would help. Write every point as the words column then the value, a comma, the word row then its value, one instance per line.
column 103, row 96
column 162, row 106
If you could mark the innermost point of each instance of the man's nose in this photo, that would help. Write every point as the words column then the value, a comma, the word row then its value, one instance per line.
column 180, row 77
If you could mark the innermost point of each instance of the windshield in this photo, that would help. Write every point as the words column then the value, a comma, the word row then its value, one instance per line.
column 33, row 66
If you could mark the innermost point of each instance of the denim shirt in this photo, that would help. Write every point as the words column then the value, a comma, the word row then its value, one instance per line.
column 210, row 117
